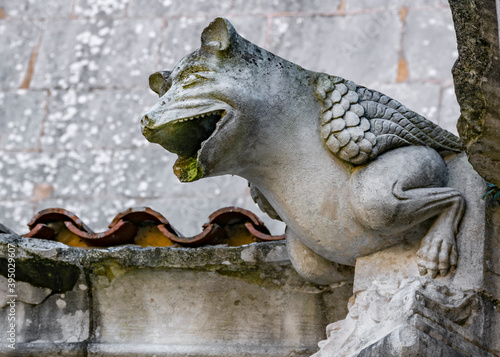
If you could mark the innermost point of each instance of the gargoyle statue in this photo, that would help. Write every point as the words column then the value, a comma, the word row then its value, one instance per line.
column 348, row 169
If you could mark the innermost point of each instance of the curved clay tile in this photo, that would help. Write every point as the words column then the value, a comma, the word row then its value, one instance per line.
column 128, row 225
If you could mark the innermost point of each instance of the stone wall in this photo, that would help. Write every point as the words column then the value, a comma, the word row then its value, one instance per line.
column 73, row 86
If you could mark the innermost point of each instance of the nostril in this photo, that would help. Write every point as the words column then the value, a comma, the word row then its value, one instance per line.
column 145, row 120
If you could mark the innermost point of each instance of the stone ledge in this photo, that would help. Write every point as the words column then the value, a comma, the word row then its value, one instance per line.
column 272, row 252
column 207, row 301
column 43, row 349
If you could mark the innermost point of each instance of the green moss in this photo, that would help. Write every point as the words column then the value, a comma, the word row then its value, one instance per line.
column 108, row 268
column 493, row 192
column 187, row 169
column 44, row 273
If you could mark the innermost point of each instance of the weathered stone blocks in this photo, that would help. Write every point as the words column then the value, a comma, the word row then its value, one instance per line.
column 133, row 301
column 22, row 114
column 428, row 32
column 105, row 52
column 339, row 44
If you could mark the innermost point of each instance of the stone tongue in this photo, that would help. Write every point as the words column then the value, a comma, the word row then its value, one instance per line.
column 187, row 169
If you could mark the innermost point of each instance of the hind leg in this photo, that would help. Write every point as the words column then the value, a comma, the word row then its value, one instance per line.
column 404, row 188
column 437, row 251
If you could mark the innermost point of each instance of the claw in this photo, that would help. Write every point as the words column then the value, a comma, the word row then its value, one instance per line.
column 437, row 253
column 453, row 257
column 422, row 270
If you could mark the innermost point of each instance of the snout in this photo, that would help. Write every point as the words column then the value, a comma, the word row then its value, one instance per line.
column 145, row 121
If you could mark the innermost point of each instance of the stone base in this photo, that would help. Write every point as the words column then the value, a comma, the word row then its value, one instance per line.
column 419, row 336
column 417, row 317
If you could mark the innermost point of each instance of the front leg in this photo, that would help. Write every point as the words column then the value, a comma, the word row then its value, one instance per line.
column 313, row 267
column 438, row 252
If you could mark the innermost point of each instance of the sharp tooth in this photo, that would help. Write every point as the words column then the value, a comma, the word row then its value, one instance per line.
column 216, row 112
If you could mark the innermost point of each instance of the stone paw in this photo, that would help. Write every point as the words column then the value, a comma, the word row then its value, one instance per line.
column 437, row 254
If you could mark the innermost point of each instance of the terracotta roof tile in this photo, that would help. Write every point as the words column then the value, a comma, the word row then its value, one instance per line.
column 146, row 227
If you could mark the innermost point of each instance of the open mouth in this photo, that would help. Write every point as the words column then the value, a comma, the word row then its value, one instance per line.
column 185, row 138
column 188, row 134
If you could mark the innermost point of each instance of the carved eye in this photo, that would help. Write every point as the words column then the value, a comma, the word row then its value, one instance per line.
column 192, row 79
column 196, row 77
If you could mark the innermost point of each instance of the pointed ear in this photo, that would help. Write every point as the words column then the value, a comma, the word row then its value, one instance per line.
column 157, row 82
column 218, row 35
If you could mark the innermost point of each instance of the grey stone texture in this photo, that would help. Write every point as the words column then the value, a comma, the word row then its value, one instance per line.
column 477, row 81
column 291, row 6
column 98, row 119
column 37, row 9
column 83, row 67
column 100, row 52
column 449, row 111
column 340, row 45
column 88, row 170
column 130, row 301
column 424, row 32
column 24, row 113
column 18, row 40
column 422, row 337
column 182, row 35
column 156, row 8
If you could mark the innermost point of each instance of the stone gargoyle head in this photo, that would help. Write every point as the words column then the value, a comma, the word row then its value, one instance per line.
column 218, row 100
